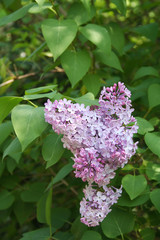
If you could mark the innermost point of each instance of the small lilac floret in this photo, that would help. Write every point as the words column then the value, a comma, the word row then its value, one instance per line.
column 101, row 140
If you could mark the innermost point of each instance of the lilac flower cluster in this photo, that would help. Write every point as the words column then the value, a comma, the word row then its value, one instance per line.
column 101, row 139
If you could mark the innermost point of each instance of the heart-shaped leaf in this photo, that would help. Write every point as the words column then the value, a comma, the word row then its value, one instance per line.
column 154, row 95
column 6, row 105
column 134, row 185
column 75, row 64
column 115, row 223
column 99, row 36
column 155, row 198
column 144, row 125
column 58, row 35
column 153, row 142
column 28, row 123
column 52, row 149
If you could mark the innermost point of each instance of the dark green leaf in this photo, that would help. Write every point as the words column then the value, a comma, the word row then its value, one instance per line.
column 52, row 149
column 121, row 5
column 60, row 216
column 15, row 15
column 40, row 90
column 48, row 207
column 39, row 234
column 75, row 64
column 115, row 223
column 28, row 123
column 154, row 95
column 146, row 71
column 41, row 208
column 6, row 105
column 38, row 96
column 117, row 37
column 99, row 36
column 91, row 235
column 58, row 35
column 33, row 192
column 125, row 200
column 92, row 83
column 134, row 185
column 144, row 125
column 153, row 171
column 6, row 199
column 153, row 142
column 13, row 150
column 150, row 31
column 78, row 229
column 155, row 198
column 111, row 60
column 147, row 234
column 5, row 129
column 64, row 171
column 87, row 99
column 22, row 211
column 80, row 14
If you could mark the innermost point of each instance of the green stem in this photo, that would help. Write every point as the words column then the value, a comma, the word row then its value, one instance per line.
column 146, row 114
column 34, row 105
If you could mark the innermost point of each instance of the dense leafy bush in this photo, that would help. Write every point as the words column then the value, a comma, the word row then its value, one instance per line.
column 71, row 49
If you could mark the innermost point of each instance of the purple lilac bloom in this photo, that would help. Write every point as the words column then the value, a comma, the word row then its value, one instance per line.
column 100, row 137
column 96, row 204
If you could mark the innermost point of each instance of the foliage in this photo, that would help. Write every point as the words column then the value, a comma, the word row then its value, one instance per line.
column 56, row 49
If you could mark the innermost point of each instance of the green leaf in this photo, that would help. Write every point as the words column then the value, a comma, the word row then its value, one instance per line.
column 28, row 123
column 134, row 185
column 52, row 149
column 152, row 140
column 34, row 192
column 78, row 229
column 80, row 14
column 15, row 15
column 87, row 4
column 88, row 99
column 43, row 89
column 38, row 96
column 153, row 171
column 40, row 8
column 5, row 129
column 58, row 35
column 115, row 223
column 117, row 37
column 22, row 211
column 41, row 208
column 125, row 200
column 6, row 105
column 64, row 171
column 98, row 35
column 121, row 5
column 146, row 71
column 109, row 60
column 13, row 150
column 11, row 165
column 155, row 198
column 48, row 207
column 150, row 31
column 92, row 83
column 60, row 216
column 147, row 234
column 6, row 199
column 144, row 125
column 39, row 234
column 153, row 95
column 40, row 2
column 76, row 65
column 91, row 235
